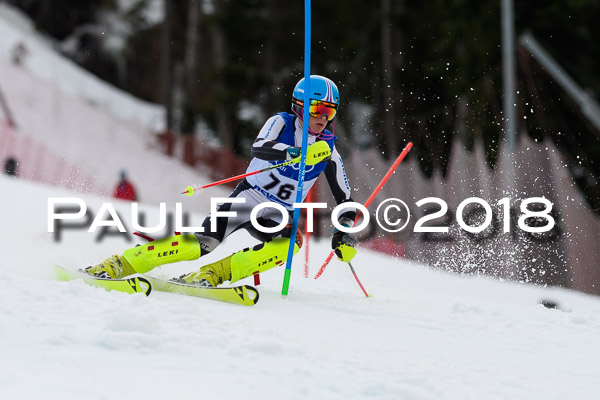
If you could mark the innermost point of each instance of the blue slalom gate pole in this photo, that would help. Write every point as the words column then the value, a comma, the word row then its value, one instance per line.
column 305, row 118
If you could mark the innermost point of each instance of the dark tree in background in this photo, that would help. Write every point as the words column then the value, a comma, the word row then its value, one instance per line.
column 425, row 71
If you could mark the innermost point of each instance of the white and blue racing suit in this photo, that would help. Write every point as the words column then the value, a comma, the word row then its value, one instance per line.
column 279, row 185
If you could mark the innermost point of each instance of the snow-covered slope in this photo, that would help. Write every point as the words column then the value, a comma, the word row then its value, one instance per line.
column 75, row 116
column 423, row 335
column 45, row 64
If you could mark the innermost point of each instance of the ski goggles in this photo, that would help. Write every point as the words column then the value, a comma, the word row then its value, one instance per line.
column 319, row 107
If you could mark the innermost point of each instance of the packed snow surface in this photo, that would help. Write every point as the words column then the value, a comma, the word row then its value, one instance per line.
column 423, row 334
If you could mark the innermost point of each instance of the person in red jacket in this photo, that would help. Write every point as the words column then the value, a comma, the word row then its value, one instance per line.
column 125, row 189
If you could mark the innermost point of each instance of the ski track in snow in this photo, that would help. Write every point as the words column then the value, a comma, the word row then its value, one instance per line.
column 424, row 334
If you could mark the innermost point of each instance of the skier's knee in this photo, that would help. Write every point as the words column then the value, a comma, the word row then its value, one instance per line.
column 287, row 233
column 299, row 239
column 207, row 243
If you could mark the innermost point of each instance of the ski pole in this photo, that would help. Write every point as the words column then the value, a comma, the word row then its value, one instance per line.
column 357, row 280
column 190, row 189
column 370, row 200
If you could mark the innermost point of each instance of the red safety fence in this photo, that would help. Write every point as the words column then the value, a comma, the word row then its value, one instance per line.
column 35, row 162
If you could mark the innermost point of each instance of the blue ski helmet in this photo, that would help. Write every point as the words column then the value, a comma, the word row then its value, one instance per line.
column 322, row 90
column 324, row 100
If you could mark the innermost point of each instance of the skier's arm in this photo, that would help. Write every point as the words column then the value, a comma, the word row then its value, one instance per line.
column 338, row 182
column 341, row 242
column 266, row 147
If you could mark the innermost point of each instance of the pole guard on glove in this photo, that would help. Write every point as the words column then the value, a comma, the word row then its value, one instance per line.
column 343, row 245
column 345, row 253
column 315, row 153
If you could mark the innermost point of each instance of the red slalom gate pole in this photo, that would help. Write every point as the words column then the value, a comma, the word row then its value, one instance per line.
column 383, row 181
column 309, row 199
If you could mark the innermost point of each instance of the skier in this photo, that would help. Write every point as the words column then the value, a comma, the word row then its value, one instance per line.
column 280, row 139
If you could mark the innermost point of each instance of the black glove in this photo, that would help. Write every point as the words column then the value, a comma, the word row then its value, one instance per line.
column 340, row 238
column 343, row 245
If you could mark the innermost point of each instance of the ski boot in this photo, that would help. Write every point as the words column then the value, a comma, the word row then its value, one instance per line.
column 210, row 275
column 141, row 259
column 242, row 264
column 113, row 268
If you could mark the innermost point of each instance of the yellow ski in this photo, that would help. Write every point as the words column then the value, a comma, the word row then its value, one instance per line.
column 131, row 284
column 245, row 295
